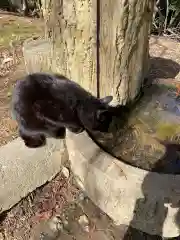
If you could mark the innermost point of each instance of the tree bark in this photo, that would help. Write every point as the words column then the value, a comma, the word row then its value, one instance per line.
column 124, row 41
column 103, row 45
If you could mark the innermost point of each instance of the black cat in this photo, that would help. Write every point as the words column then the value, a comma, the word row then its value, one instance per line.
column 45, row 104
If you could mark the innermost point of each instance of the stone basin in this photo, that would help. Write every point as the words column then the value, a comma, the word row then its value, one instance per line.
column 151, row 139
column 133, row 174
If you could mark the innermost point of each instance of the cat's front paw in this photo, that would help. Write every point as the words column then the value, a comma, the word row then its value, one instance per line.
column 35, row 142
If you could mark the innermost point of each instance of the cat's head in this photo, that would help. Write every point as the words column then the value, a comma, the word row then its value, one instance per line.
column 102, row 120
column 102, row 117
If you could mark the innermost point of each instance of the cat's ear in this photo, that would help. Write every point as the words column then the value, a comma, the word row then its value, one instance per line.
column 102, row 115
column 106, row 99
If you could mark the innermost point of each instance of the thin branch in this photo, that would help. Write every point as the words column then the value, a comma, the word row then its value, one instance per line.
column 167, row 13
column 173, row 33
column 175, row 17
column 155, row 25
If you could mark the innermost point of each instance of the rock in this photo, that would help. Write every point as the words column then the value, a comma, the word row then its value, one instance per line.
column 55, row 224
column 84, row 222
column 65, row 172
column 22, row 169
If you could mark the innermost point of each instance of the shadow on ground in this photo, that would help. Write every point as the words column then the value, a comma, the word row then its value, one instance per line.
column 150, row 190
column 163, row 68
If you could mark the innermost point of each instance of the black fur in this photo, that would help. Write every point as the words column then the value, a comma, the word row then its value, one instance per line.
column 45, row 104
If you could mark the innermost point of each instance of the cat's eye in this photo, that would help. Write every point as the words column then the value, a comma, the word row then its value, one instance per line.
column 101, row 115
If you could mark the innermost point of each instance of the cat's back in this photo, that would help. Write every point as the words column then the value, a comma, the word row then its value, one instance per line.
column 28, row 90
column 49, row 87
column 33, row 86
column 71, row 88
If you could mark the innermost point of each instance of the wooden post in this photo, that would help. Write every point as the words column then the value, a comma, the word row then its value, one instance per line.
column 103, row 45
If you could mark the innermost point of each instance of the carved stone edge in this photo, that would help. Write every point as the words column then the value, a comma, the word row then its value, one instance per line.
column 129, row 195
column 24, row 169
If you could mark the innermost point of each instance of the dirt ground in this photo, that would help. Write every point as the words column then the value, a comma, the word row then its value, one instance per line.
column 60, row 210
column 57, row 210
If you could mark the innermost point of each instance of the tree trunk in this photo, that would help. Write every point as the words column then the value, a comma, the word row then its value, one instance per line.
column 103, row 45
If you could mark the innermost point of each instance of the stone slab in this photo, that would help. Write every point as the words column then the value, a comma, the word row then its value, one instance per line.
column 130, row 196
column 22, row 169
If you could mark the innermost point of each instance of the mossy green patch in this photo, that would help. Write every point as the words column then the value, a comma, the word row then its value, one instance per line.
column 166, row 131
column 15, row 30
